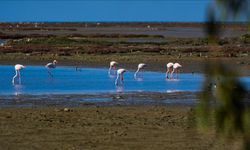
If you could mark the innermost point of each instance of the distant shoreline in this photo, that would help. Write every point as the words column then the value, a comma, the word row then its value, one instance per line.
column 110, row 23
column 96, row 44
column 166, row 22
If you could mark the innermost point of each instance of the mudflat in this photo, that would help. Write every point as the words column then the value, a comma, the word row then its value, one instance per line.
column 120, row 127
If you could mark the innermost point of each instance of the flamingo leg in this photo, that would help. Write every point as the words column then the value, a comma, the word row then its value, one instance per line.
column 167, row 73
column 135, row 75
column 13, row 79
column 49, row 71
column 171, row 75
column 110, row 69
column 116, row 81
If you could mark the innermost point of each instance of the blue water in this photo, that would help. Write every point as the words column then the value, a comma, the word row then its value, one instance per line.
column 67, row 80
column 2, row 41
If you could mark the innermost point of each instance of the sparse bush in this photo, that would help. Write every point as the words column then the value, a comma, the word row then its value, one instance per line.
column 221, row 105
column 246, row 38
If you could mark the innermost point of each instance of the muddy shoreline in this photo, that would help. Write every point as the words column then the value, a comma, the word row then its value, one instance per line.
column 124, row 127
column 91, row 128
column 187, row 99
column 100, row 100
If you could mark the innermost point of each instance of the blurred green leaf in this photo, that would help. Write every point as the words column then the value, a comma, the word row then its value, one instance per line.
column 234, row 8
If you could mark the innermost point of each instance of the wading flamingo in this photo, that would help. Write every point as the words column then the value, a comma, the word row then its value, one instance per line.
column 176, row 68
column 120, row 73
column 169, row 69
column 140, row 67
column 18, row 67
column 50, row 66
column 112, row 67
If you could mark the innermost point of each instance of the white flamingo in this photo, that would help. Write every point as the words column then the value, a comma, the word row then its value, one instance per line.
column 169, row 68
column 120, row 73
column 176, row 68
column 50, row 66
column 18, row 67
column 112, row 67
column 140, row 67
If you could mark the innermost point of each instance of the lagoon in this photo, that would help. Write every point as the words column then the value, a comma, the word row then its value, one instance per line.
column 66, row 80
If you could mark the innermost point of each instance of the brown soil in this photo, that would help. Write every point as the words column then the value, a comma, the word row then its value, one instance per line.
column 141, row 127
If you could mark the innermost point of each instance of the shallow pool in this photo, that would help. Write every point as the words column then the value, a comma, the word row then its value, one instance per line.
column 2, row 41
column 66, row 80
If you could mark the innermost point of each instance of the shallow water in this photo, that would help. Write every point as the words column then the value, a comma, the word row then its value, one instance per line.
column 2, row 41
column 66, row 80
column 104, row 99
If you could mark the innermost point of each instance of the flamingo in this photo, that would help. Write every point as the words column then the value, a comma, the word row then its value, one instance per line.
column 50, row 66
column 120, row 73
column 169, row 68
column 18, row 67
column 112, row 66
column 176, row 67
column 140, row 67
